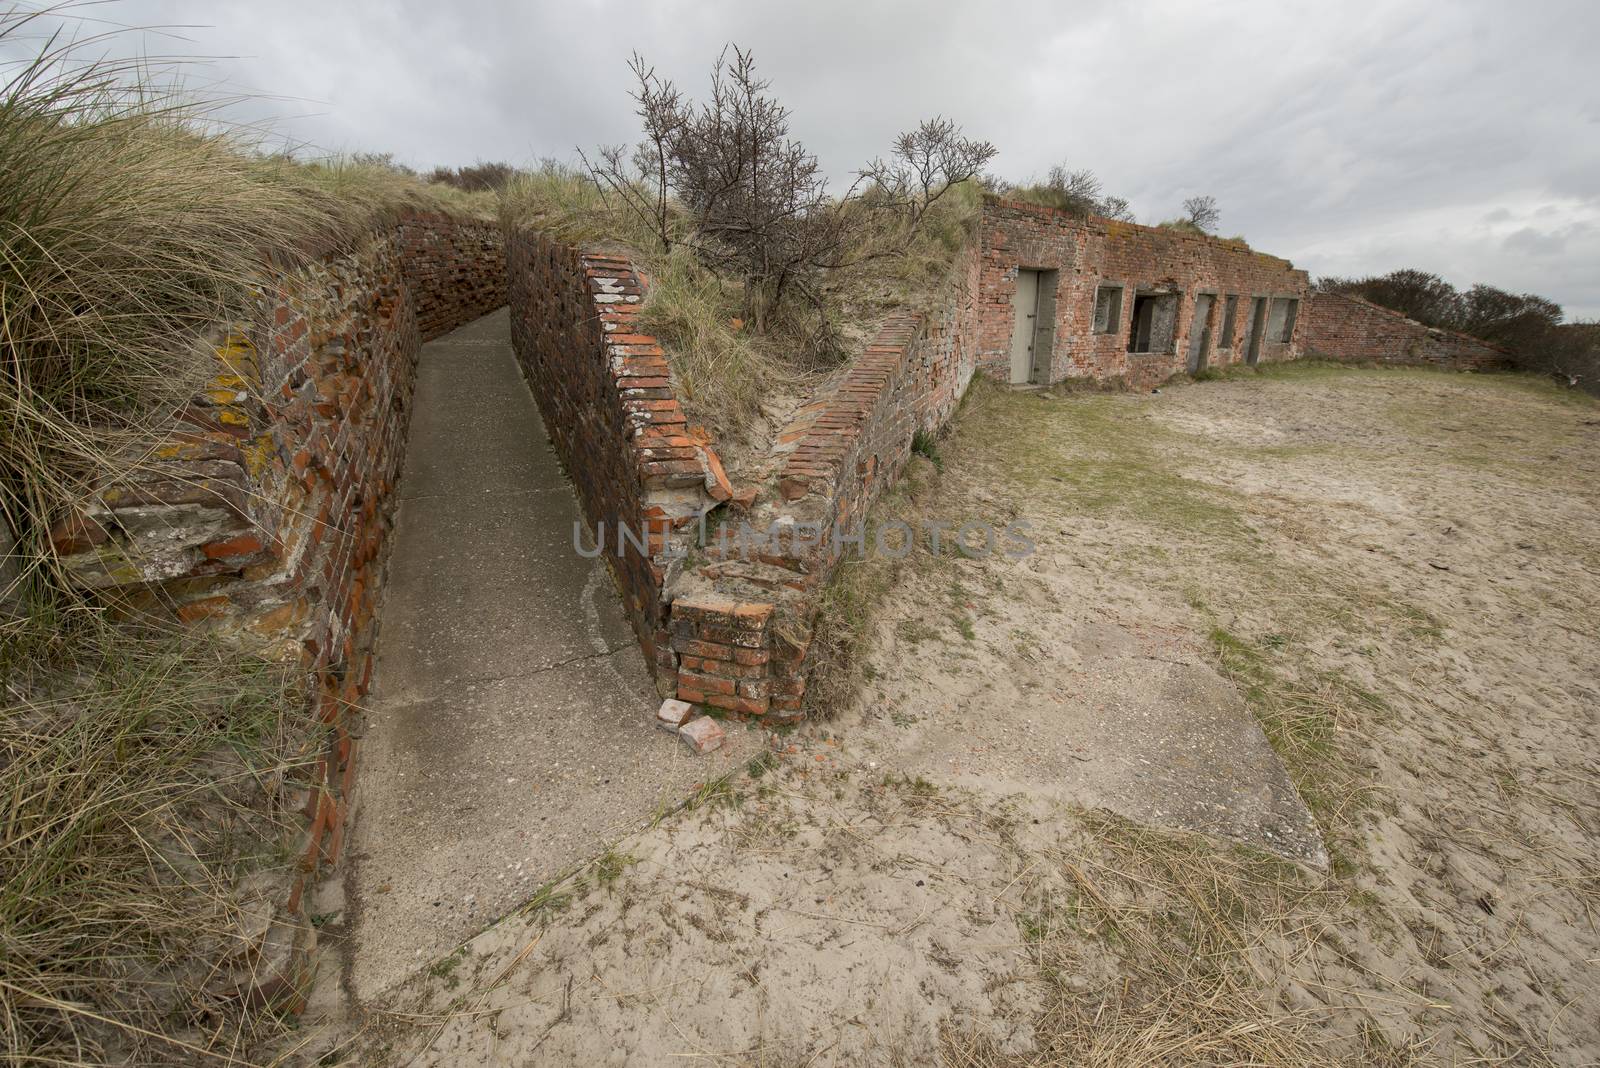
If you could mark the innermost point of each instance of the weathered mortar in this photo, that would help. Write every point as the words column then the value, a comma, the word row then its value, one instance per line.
column 1339, row 327
column 610, row 407
column 263, row 515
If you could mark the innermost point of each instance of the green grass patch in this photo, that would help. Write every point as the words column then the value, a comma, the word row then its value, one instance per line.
column 1095, row 454
column 1302, row 718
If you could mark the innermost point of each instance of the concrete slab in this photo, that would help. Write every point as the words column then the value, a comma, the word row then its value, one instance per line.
column 511, row 730
column 1106, row 720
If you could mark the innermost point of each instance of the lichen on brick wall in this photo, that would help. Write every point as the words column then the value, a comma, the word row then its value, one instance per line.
column 263, row 513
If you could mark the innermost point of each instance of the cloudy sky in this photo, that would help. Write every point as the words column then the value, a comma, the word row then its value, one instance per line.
column 1461, row 138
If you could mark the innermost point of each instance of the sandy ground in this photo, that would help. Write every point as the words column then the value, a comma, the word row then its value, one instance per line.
column 1396, row 574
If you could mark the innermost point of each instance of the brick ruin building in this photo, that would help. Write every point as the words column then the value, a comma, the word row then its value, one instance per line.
column 1064, row 296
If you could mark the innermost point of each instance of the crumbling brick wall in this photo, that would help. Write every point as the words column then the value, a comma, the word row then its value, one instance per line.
column 263, row 514
column 609, row 405
column 1087, row 253
column 742, row 633
column 1339, row 327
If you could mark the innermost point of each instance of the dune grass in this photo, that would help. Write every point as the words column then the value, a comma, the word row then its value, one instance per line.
column 146, row 773
column 725, row 368
column 129, row 227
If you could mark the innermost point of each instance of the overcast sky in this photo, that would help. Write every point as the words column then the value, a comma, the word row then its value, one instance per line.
column 1461, row 138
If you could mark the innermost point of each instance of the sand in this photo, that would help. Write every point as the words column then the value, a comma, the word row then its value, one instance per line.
column 1050, row 830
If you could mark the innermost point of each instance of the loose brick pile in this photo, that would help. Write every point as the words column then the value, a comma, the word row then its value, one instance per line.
column 606, row 394
column 1339, row 327
column 263, row 515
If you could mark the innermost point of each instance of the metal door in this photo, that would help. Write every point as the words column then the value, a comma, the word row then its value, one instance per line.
column 1200, row 332
column 1026, row 303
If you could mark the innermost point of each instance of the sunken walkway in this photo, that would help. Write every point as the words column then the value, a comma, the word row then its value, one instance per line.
column 510, row 735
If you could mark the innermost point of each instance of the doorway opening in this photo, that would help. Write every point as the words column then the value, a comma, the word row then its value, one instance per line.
column 1033, row 331
column 1230, row 313
column 1258, row 326
column 1153, row 325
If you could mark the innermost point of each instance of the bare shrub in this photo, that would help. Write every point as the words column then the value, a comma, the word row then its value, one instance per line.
column 480, row 177
column 926, row 163
column 1527, row 325
column 1419, row 295
column 1077, row 192
column 725, row 179
column 1202, row 213
column 757, row 199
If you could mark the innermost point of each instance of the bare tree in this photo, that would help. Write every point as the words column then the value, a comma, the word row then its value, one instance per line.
column 751, row 201
column 757, row 200
column 924, row 163
column 643, row 184
column 1202, row 213
column 1079, row 191
column 1116, row 208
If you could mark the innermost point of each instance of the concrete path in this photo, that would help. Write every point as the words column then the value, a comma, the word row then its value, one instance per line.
column 510, row 732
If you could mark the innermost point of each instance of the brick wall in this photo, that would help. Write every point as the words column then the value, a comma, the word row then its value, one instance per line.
column 610, row 408
column 1087, row 253
column 733, row 631
column 1339, row 327
column 263, row 514
column 742, row 623
column 455, row 269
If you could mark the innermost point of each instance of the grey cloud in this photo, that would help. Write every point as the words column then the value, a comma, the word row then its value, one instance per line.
column 1325, row 131
column 1536, row 243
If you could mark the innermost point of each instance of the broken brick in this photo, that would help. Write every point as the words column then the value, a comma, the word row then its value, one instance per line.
column 702, row 734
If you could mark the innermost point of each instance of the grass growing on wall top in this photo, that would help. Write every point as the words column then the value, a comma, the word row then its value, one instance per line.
column 724, row 367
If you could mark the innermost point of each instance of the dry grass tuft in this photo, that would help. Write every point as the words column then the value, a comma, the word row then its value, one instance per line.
column 146, row 775
column 563, row 201
column 1185, row 922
